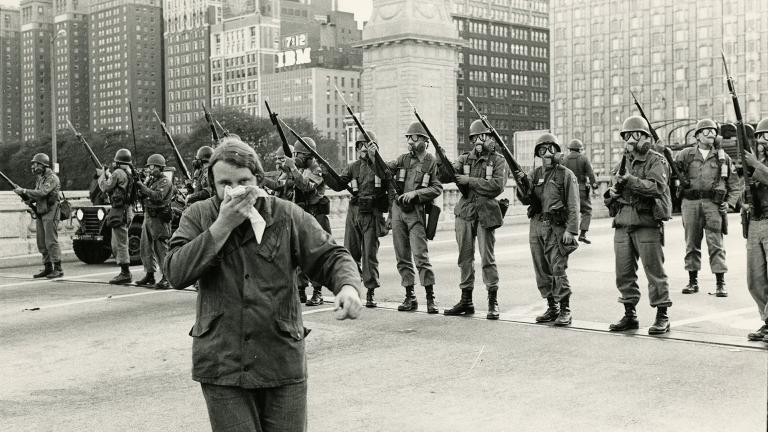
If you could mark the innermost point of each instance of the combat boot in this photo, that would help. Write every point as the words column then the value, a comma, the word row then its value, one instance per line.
column 163, row 284
column 302, row 294
column 720, row 290
column 551, row 313
column 628, row 321
column 693, row 283
column 409, row 303
column 583, row 237
column 493, row 304
column 661, row 325
column 464, row 306
column 564, row 317
column 759, row 334
column 45, row 271
column 57, row 271
column 370, row 301
column 147, row 280
column 124, row 277
column 431, row 304
column 317, row 297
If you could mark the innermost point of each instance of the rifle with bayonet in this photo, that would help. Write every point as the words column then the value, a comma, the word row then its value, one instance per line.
column 209, row 119
column 445, row 163
column 524, row 186
column 24, row 198
column 85, row 144
column 743, row 147
column 680, row 180
column 224, row 132
column 273, row 118
column 176, row 153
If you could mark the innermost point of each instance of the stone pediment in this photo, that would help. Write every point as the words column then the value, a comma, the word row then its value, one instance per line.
column 425, row 20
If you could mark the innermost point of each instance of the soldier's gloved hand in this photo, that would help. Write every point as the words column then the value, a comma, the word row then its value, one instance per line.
column 288, row 164
column 750, row 159
column 462, row 179
column 18, row 190
column 569, row 238
column 347, row 304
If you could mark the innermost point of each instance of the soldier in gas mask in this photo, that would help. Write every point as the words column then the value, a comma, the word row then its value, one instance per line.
column 200, row 185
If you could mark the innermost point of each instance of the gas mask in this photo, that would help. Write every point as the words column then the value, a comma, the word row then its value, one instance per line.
column 362, row 150
column 549, row 154
column 197, row 164
column 483, row 144
column 636, row 141
column 707, row 138
column 38, row 169
column 301, row 159
column 416, row 145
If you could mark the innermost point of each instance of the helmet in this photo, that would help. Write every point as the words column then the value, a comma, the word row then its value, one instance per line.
column 204, row 153
column 280, row 153
column 156, row 159
column 546, row 138
column 706, row 124
column 416, row 128
column 477, row 127
column 123, row 156
column 42, row 159
column 762, row 126
column 576, row 144
column 635, row 124
column 361, row 138
column 300, row 148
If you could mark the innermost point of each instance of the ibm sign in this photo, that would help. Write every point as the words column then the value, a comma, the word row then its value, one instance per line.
column 295, row 51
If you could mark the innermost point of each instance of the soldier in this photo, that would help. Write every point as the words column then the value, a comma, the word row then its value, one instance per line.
column 579, row 164
column 278, row 181
column 416, row 180
column 156, row 229
column 201, row 187
column 554, row 213
column 365, row 222
column 712, row 186
column 309, row 193
column 483, row 172
column 639, row 203
column 119, row 185
column 45, row 196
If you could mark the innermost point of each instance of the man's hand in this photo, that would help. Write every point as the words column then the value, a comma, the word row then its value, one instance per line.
column 18, row 190
column 462, row 179
column 289, row 164
column 569, row 238
column 622, row 178
column 234, row 210
column 750, row 159
column 595, row 186
column 372, row 147
column 409, row 196
column 347, row 304
column 724, row 207
column 746, row 208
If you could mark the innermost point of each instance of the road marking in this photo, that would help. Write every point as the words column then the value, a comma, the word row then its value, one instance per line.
column 714, row 316
column 15, row 284
column 91, row 300
column 474, row 363
column 314, row 311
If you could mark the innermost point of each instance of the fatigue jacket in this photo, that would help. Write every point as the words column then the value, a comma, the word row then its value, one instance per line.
column 46, row 193
column 201, row 186
column 160, row 193
column 760, row 192
column 557, row 191
column 646, row 189
column 487, row 178
column 118, row 179
column 704, row 175
column 579, row 164
column 249, row 330
column 279, row 183
column 415, row 170
column 308, row 184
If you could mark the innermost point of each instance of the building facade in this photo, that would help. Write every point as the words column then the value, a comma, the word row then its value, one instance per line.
column 10, row 75
column 668, row 54
column 36, row 40
column 504, row 66
column 126, row 64
column 71, row 64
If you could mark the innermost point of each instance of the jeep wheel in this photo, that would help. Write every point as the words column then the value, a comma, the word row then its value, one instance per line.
column 91, row 252
column 134, row 242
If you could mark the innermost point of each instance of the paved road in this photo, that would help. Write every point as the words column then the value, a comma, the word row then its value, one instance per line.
column 78, row 354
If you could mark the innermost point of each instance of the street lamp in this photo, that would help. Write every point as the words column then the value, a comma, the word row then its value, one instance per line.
column 54, row 164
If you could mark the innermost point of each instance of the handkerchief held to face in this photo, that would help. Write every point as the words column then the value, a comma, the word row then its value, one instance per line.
column 257, row 222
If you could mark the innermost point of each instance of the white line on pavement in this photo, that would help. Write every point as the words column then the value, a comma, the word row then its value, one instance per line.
column 91, row 300
column 314, row 311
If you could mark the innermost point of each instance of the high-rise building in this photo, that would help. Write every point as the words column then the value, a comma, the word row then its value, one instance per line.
column 71, row 64
column 10, row 75
column 126, row 63
column 323, row 39
column 504, row 67
column 243, row 51
column 187, row 39
column 36, row 40
column 667, row 53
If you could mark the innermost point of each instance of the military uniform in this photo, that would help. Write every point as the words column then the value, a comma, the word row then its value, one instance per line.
column 120, row 183
column 579, row 164
column 45, row 195
column 757, row 248
column 201, row 188
column 279, row 184
column 156, row 229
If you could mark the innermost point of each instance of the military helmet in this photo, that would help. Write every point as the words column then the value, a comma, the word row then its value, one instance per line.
column 478, row 127
column 42, row 159
column 706, row 124
column 361, row 138
column 280, row 152
column 575, row 144
column 635, row 124
column 301, row 148
column 545, row 139
column 416, row 128
column 204, row 153
column 762, row 126
column 123, row 156
column 156, row 159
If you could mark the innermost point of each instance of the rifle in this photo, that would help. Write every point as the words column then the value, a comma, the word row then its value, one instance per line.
column 133, row 131
column 331, row 172
column 24, row 198
column 183, row 167
column 209, row 119
column 743, row 146
column 85, row 144
column 446, row 164
column 680, row 180
column 224, row 131
column 521, row 178
column 273, row 119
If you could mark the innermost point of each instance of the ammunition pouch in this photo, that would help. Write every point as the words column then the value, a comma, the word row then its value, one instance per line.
column 432, row 213
column 719, row 195
column 116, row 217
column 504, row 206
column 364, row 204
column 556, row 217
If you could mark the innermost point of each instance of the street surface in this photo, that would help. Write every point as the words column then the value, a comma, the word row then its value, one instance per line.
column 78, row 354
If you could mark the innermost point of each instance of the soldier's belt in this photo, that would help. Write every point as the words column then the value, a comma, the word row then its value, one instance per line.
column 696, row 194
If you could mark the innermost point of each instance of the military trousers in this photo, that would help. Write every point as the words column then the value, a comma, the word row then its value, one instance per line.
column 757, row 267
column 409, row 238
column 466, row 232
column 275, row 409
column 154, row 242
column 119, row 241
column 362, row 241
column 585, row 207
column 47, row 236
column 550, row 258
column 303, row 279
column 644, row 243
column 702, row 218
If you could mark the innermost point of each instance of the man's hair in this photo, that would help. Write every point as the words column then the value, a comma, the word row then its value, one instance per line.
column 237, row 153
